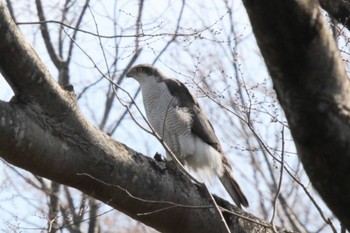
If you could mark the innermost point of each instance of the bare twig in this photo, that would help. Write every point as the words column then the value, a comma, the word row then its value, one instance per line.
column 111, row 36
column 145, row 200
column 287, row 169
column 111, row 93
column 53, row 206
column 279, row 184
column 75, row 33
column 46, row 36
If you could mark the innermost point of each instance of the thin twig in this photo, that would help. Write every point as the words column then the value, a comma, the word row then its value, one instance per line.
column 287, row 169
column 246, row 218
column 112, row 36
column 279, row 184
column 144, row 200
column 77, row 25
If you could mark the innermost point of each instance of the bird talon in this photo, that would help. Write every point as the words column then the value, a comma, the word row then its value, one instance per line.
column 158, row 157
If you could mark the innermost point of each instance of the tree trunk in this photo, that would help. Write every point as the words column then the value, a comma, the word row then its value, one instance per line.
column 309, row 77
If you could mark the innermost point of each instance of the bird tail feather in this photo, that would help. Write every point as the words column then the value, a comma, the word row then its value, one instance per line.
column 233, row 188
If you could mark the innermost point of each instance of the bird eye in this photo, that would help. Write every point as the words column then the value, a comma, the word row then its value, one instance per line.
column 140, row 69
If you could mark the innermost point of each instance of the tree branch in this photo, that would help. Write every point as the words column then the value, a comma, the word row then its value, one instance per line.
column 46, row 36
column 312, row 86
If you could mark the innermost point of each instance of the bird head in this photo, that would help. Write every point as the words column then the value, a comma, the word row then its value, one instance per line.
column 144, row 72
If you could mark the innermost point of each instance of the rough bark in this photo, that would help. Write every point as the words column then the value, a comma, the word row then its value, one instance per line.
column 43, row 131
column 309, row 77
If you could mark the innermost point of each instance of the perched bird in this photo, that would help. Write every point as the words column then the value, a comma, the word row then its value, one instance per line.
column 176, row 116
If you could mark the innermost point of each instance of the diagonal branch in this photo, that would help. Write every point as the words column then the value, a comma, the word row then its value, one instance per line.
column 46, row 36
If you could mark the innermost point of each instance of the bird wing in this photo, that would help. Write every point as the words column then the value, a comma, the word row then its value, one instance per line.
column 200, row 123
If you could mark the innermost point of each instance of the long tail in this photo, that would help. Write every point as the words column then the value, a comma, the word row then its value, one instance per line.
column 232, row 187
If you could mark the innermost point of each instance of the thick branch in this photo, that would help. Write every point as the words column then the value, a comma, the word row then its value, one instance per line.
column 312, row 86
column 25, row 73
column 155, row 193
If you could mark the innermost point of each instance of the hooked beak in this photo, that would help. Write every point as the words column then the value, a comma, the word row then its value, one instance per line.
column 129, row 74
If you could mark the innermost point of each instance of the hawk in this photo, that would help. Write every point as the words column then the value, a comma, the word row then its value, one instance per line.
column 176, row 116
